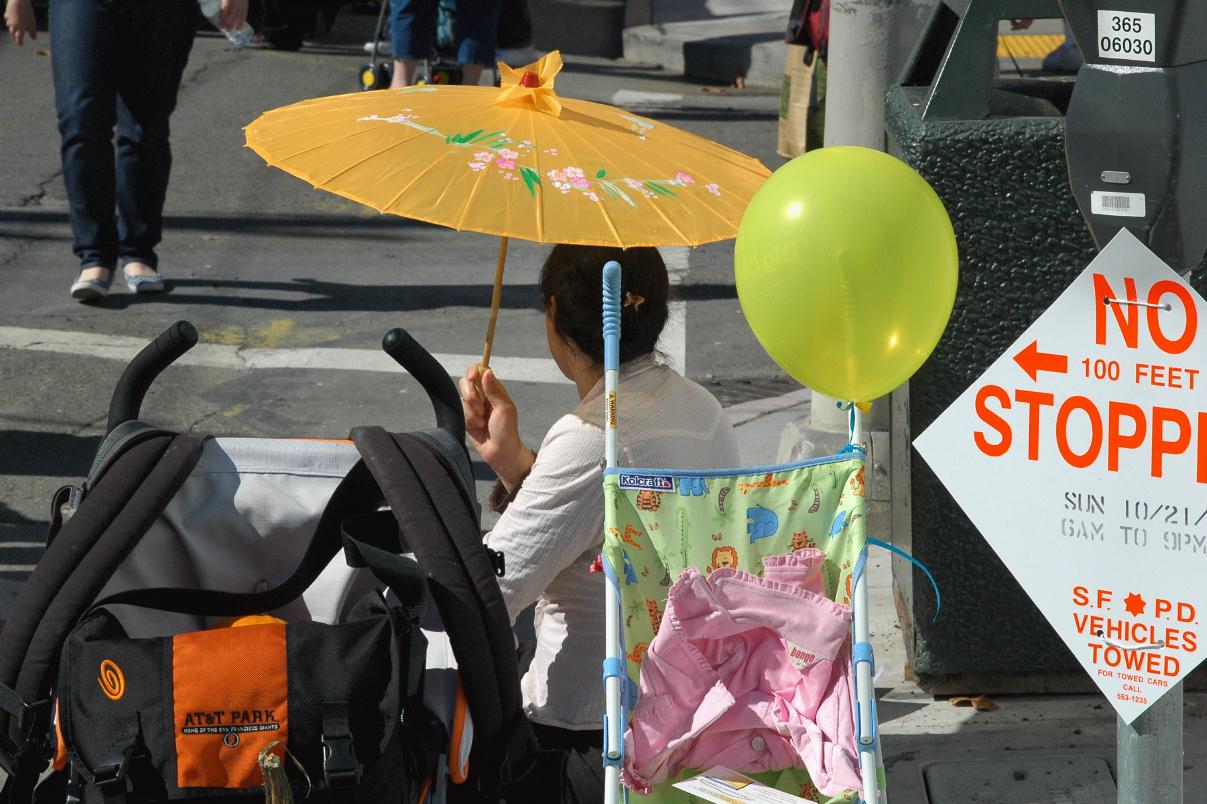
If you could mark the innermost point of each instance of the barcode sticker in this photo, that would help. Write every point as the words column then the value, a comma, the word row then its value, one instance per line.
column 1127, row 36
column 1123, row 205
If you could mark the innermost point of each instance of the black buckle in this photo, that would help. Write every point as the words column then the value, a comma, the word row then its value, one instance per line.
column 32, row 716
column 496, row 561
column 33, row 723
column 112, row 771
column 341, row 768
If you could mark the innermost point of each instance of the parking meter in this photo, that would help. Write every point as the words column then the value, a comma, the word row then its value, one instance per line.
column 1137, row 123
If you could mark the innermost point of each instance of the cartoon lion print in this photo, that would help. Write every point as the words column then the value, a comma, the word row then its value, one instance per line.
column 648, row 500
column 723, row 557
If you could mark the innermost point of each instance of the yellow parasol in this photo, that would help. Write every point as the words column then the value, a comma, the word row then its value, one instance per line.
column 516, row 161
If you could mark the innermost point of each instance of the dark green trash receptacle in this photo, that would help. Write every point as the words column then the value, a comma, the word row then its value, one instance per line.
column 993, row 149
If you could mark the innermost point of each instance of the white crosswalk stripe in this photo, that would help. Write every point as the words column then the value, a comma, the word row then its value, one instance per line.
column 213, row 355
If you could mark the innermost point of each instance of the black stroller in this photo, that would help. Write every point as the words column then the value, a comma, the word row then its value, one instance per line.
column 192, row 631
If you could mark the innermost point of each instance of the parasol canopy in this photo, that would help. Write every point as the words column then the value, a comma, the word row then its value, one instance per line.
column 515, row 161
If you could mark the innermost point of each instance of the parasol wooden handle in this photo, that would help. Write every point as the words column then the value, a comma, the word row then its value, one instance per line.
column 495, row 299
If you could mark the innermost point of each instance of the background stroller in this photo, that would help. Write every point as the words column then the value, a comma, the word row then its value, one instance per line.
column 659, row 522
column 174, row 533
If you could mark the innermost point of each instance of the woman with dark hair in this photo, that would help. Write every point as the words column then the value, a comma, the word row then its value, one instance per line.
column 551, row 528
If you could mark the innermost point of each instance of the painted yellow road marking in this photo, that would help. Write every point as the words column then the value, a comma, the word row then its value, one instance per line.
column 1027, row 46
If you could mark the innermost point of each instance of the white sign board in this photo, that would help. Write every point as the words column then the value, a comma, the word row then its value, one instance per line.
column 1081, row 456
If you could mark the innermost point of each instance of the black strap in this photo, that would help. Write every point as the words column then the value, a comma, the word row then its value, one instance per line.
column 404, row 577
column 23, row 778
column 438, row 518
column 23, row 759
column 75, row 568
column 53, row 789
column 466, row 537
column 372, row 541
column 82, row 557
column 341, row 768
column 421, row 500
column 14, row 705
column 75, row 785
column 57, row 517
column 110, row 776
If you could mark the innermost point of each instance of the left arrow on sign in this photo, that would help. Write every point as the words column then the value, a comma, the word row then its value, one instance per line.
column 1033, row 361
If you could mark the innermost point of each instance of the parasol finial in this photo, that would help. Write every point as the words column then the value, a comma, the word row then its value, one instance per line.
column 531, row 86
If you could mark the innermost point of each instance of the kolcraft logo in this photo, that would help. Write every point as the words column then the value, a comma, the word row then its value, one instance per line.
column 112, row 682
column 648, row 482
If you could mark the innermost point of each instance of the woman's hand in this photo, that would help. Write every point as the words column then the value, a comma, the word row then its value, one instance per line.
column 20, row 19
column 492, row 424
column 233, row 14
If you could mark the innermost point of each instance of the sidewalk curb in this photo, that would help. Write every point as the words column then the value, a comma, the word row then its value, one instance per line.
column 745, row 412
column 717, row 50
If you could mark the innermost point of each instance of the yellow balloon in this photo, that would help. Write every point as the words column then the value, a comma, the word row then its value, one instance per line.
column 846, row 268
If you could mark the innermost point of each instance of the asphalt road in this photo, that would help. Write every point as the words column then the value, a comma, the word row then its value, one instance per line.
column 258, row 260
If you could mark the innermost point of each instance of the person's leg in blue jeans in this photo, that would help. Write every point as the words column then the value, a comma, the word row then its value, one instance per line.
column 477, row 28
column 412, row 35
column 156, row 46
column 87, row 38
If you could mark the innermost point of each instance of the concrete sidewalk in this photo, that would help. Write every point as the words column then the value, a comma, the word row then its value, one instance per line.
column 1038, row 749
column 721, row 40
column 714, row 40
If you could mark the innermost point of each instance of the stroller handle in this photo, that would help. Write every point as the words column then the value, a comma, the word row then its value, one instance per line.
column 145, row 367
column 419, row 363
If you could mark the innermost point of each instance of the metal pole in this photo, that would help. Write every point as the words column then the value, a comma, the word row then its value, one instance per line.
column 857, row 72
column 857, row 78
column 1150, row 753
column 856, row 85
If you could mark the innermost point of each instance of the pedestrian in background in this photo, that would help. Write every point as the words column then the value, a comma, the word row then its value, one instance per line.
column 117, row 64
column 413, row 37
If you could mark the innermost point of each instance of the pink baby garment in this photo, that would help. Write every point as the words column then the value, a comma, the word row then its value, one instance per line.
column 750, row 673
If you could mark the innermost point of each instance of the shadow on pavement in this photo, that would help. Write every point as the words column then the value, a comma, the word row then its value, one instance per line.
column 612, row 70
column 326, row 296
column 10, row 517
column 42, row 454
column 277, row 225
column 719, row 114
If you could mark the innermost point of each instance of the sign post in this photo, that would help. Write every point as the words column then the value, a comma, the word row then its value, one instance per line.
column 1149, row 752
column 1081, row 456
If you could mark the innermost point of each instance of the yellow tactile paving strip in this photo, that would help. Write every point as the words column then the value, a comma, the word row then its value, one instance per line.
column 1027, row 46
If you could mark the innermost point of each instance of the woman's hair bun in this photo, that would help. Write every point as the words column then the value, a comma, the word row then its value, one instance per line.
column 574, row 276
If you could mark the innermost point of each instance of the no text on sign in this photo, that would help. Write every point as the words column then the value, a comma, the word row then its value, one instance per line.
column 1081, row 456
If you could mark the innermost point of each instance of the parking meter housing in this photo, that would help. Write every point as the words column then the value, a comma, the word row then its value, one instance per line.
column 1136, row 138
column 991, row 144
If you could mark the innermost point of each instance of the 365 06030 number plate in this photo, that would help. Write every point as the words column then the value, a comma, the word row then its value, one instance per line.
column 1127, row 35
